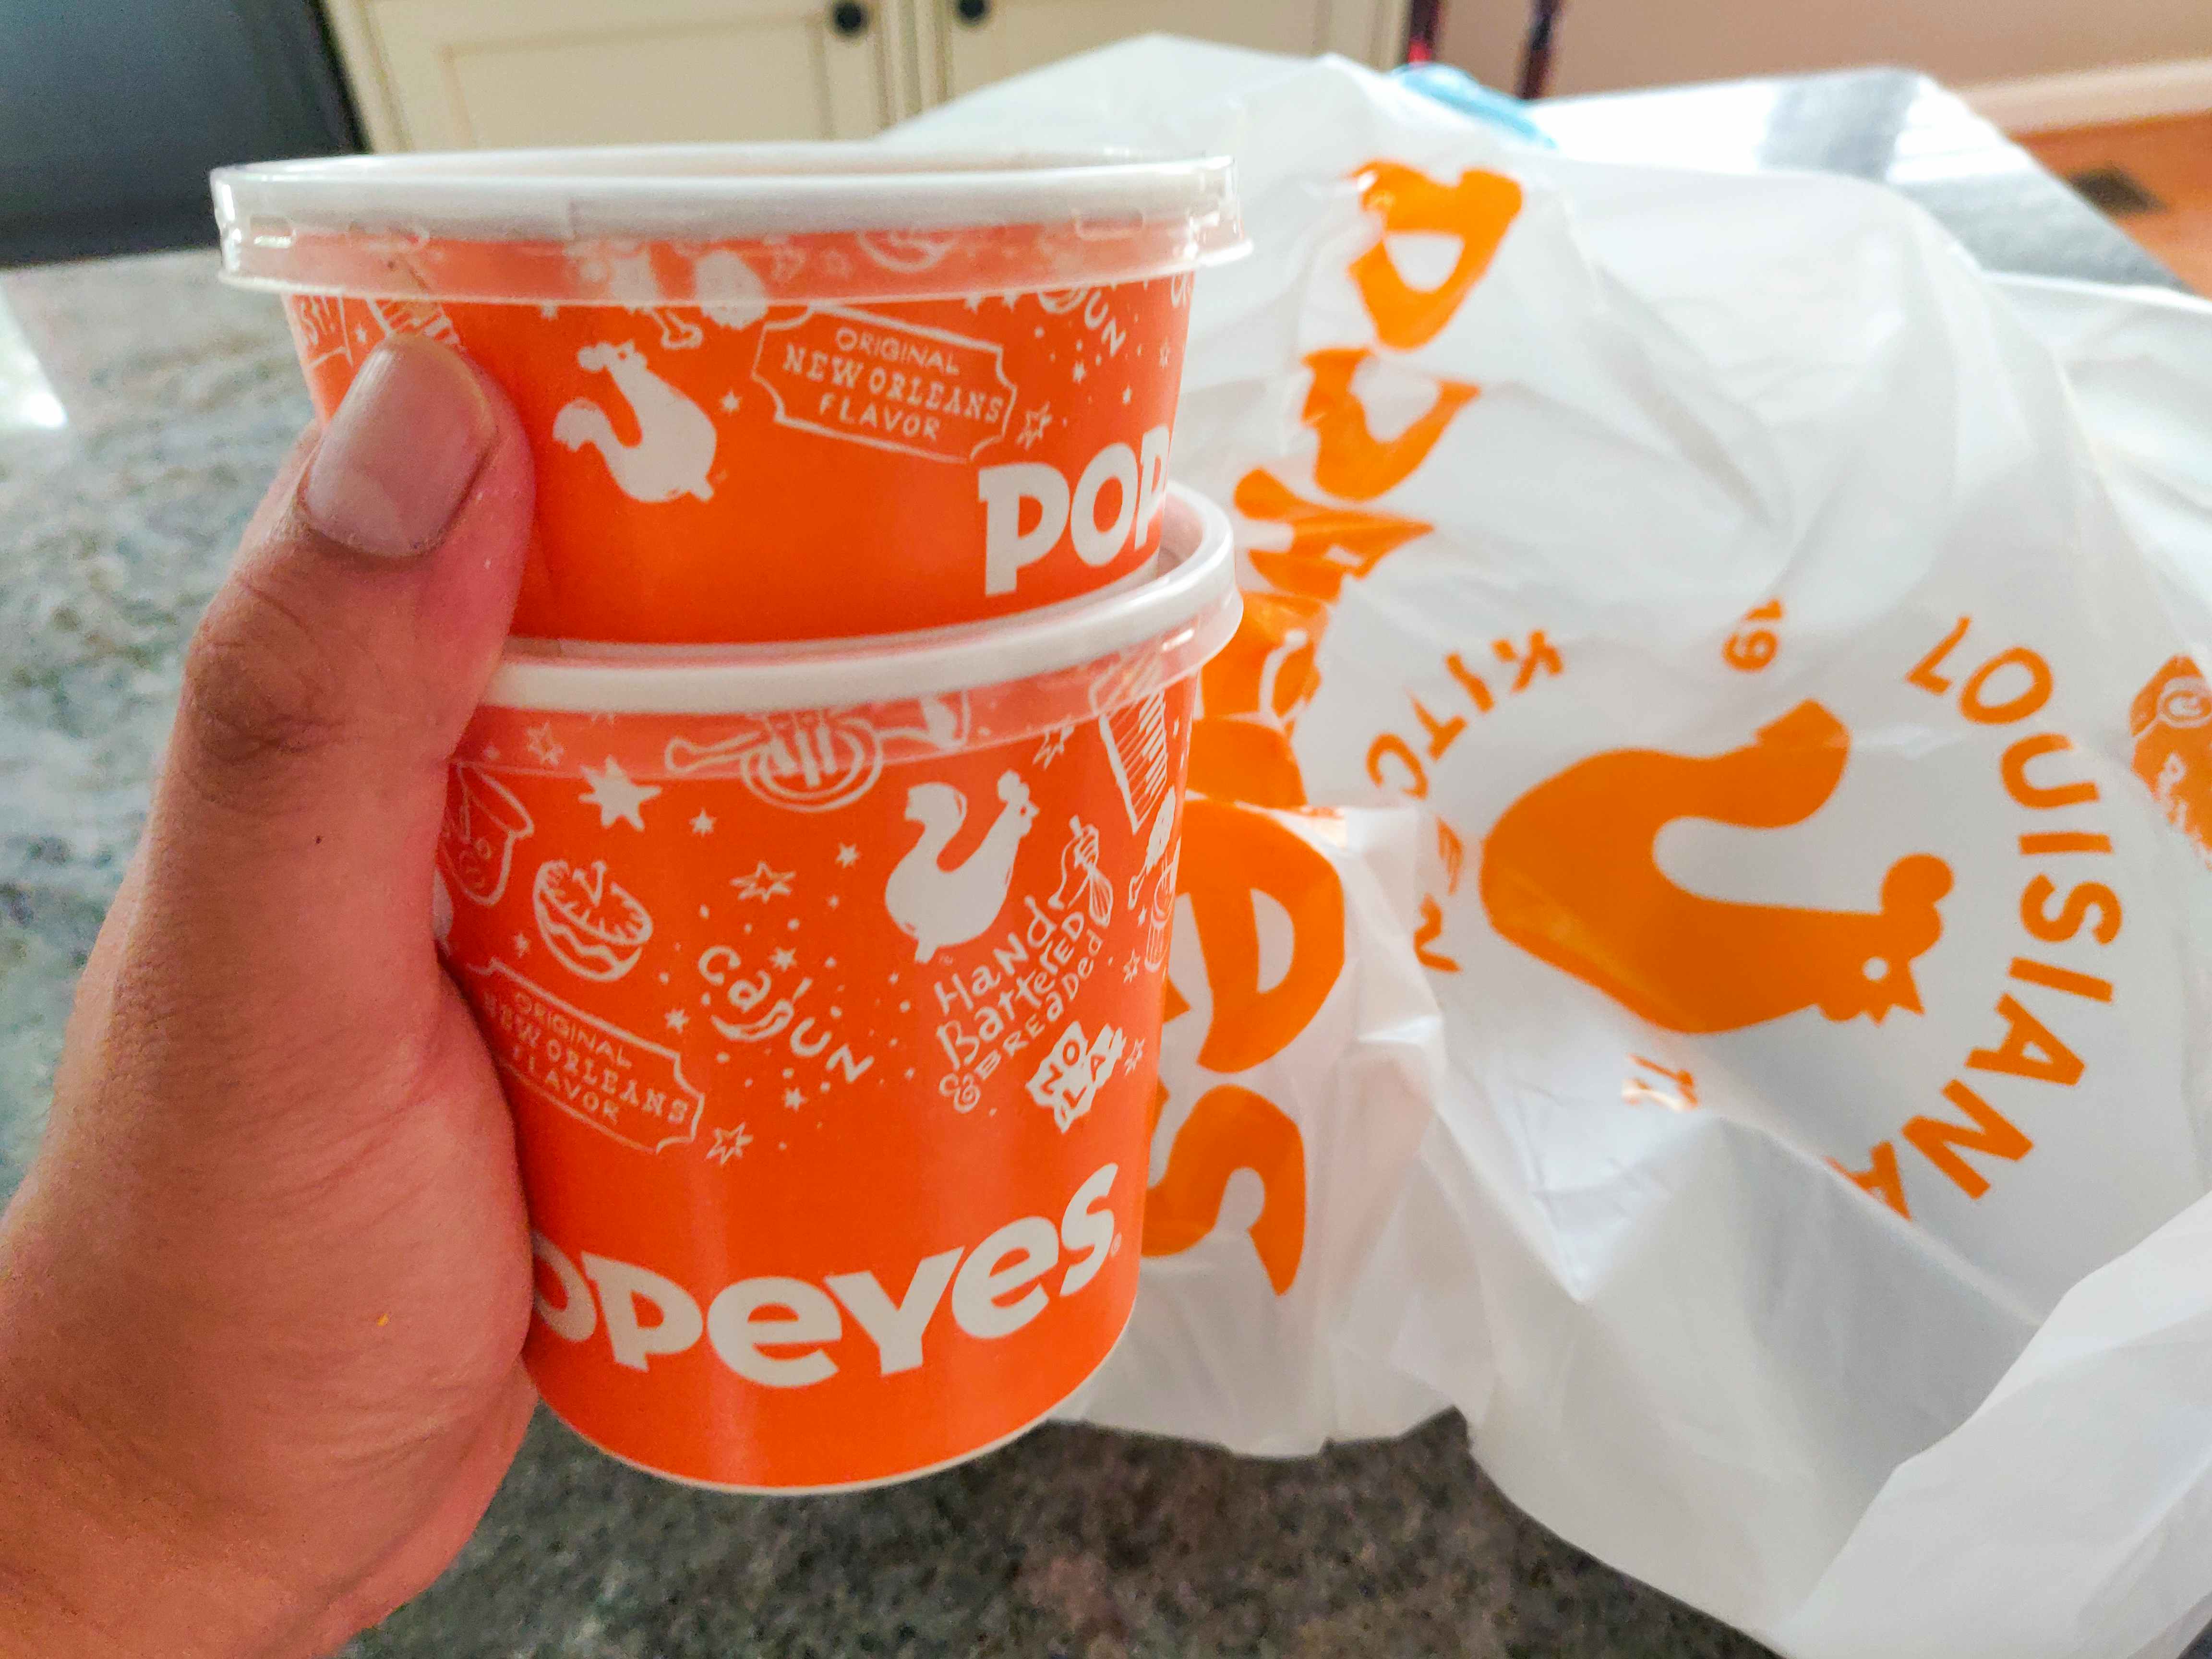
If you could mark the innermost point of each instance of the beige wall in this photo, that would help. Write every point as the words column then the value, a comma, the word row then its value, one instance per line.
column 1603, row 44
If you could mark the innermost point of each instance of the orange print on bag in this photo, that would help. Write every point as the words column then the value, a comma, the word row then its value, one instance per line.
column 1570, row 875
column 2171, row 724
column 1476, row 210
column 1250, row 698
column 1231, row 1128
column 1353, row 462
column 1320, row 533
column 1230, row 854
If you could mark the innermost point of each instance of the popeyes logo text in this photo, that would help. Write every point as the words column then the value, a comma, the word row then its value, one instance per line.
column 786, row 1332
column 1312, row 536
column 1031, row 506
column 1312, row 539
column 1231, row 856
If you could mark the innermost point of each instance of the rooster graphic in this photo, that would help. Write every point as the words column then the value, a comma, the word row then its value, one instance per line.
column 1568, row 874
column 675, row 445
column 936, row 907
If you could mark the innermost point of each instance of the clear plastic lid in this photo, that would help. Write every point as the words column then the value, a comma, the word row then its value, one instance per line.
column 549, row 226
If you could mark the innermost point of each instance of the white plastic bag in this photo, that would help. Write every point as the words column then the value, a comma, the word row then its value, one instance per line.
column 1793, row 687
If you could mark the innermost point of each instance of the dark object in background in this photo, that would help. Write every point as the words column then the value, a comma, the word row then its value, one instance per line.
column 112, row 113
column 1536, row 55
column 2114, row 190
column 1423, row 22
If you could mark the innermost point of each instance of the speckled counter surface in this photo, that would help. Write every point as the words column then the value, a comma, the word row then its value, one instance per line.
column 180, row 397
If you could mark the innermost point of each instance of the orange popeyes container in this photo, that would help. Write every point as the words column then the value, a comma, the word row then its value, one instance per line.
column 825, row 981
column 775, row 392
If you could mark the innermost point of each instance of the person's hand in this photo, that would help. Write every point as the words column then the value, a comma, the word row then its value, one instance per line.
column 262, row 1295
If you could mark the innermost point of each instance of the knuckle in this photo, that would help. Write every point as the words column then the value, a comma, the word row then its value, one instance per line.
column 263, row 687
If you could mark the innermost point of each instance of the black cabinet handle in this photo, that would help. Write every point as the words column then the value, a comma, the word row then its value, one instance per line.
column 850, row 18
column 973, row 13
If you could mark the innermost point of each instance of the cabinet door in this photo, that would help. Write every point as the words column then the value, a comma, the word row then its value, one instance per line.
column 979, row 41
column 497, row 73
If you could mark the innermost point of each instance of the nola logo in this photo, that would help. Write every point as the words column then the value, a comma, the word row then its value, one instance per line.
column 784, row 1333
column 1568, row 874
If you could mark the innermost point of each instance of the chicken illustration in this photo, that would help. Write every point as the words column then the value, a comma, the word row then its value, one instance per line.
column 936, row 907
column 675, row 442
column 1569, row 875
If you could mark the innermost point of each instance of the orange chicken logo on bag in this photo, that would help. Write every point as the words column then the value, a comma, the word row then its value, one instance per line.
column 1569, row 875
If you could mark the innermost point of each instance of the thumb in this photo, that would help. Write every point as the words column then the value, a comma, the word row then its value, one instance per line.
column 334, row 673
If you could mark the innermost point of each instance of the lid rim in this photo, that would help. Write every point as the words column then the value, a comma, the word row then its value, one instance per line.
column 752, row 189
column 850, row 672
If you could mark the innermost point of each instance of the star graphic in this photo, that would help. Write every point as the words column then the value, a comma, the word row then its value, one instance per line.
column 1079, row 371
column 361, row 333
column 795, row 1098
column 704, row 824
column 728, row 1143
column 974, row 302
column 730, row 402
column 762, row 883
column 1034, row 422
column 847, row 855
column 548, row 312
column 616, row 796
column 676, row 1019
column 1134, row 1059
column 544, row 744
column 1128, row 970
column 491, row 751
column 521, row 945
column 782, row 958
column 1125, row 394
column 1051, row 746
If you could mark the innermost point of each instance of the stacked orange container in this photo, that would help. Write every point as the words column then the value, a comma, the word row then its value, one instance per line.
column 811, row 863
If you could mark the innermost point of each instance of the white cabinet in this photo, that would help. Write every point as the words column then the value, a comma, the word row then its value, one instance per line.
column 966, row 44
column 461, row 73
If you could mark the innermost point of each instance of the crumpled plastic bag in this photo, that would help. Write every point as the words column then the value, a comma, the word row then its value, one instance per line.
column 1737, row 665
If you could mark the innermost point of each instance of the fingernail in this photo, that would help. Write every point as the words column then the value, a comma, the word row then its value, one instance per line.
column 400, row 454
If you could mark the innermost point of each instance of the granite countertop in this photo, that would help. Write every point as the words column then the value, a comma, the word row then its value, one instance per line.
column 143, row 409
